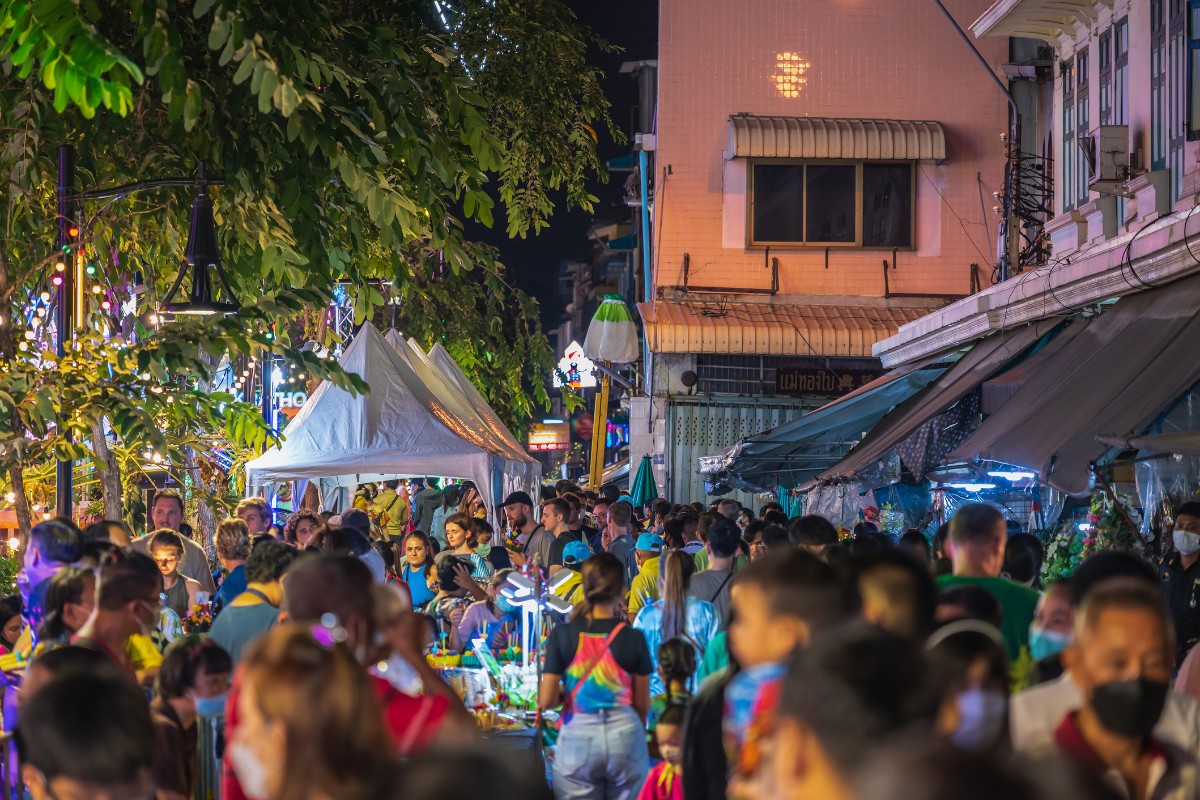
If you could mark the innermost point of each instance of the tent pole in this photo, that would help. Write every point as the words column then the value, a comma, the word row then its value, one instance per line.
column 599, row 433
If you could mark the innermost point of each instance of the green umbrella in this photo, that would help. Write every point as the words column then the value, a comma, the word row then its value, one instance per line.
column 644, row 490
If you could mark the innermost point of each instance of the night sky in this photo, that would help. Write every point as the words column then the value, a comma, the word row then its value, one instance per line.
column 632, row 25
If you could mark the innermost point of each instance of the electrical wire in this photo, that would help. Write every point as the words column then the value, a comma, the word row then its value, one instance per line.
column 962, row 222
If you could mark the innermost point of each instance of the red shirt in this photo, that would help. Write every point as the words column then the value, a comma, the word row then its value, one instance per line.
column 1071, row 744
column 412, row 721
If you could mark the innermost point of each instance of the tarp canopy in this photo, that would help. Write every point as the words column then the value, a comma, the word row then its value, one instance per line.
column 1124, row 369
column 403, row 427
column 985, row 359
column 797, row 451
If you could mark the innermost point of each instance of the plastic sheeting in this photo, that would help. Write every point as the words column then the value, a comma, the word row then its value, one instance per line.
column 1166, row 480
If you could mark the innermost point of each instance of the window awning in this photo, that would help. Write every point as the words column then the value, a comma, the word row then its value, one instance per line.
column 984, row 360
column 1121, row 371
column 761, row 329
column 803, row 448
column 827, row 137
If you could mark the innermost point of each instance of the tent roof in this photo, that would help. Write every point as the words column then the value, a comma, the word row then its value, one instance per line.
column 491, row 420
column 400, row 427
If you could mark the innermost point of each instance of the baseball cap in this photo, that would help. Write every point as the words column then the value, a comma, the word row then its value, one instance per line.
column 575, row 553
column 650, row 542
column 517, row 499
column 354, row 518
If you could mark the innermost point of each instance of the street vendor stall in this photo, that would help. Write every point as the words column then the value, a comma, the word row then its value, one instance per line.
column 410, row 424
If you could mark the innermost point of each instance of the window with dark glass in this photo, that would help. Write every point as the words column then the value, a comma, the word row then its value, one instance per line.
column 1177, row 100
column 1069, row 147
column 1193, row 70
column 1082, row 125
column 1158, row 84
column 836, row 203
column 1104, row 62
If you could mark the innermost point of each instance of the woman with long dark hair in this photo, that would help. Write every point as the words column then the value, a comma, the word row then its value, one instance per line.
column 599, row 669
column 675, row 615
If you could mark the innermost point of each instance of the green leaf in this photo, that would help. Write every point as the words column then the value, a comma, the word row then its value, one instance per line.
column 202, row 7
column 192, row 105
column 218, row 33
column 245, row 69
column 265, row 92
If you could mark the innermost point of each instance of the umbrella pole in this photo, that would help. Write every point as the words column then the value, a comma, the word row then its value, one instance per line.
column 599, row 433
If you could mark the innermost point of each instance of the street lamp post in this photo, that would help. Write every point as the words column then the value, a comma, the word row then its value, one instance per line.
column 200, row 255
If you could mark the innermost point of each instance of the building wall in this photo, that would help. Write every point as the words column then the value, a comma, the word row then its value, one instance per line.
column 1138, row 12
column 887, row 60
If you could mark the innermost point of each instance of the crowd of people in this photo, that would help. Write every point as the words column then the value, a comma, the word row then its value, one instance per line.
column 710, row 652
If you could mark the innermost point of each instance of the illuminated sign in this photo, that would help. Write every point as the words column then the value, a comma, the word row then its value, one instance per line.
column 290, row 403
column 579, row 369
column 549, row 436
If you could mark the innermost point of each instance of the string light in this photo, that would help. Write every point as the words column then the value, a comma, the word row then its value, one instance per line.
column 57, row 281
column 11, row 497
column 45, row 297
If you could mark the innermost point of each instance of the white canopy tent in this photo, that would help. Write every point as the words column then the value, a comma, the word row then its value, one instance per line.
column 410, row 424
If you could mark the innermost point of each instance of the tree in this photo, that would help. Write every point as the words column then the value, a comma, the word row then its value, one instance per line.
column 351, row 136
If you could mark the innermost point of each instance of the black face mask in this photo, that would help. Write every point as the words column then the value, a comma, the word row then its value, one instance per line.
column 1130, row 708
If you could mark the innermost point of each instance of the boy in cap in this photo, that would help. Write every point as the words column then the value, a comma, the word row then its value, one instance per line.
column 645, row 585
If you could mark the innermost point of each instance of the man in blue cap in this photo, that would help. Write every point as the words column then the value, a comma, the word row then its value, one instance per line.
column 645, row 585
column 570, row 586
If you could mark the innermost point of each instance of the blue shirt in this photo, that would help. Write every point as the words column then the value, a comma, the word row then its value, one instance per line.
column 233, row 585
column 238, row 626
column 417, row 587
column 700, row 626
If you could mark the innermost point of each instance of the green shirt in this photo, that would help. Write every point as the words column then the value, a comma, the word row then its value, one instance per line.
column 1017, row 604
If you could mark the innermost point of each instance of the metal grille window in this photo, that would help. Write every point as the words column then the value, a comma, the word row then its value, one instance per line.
column 1069, row 147
column 1158, row 84
column 1082, row 125
column 1104, row 62
column 1178, row 93
column 832, row 203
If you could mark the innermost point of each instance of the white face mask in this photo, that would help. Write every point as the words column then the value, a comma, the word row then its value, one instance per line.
column 250, row 771
column 981, row 715
column 1186, row 542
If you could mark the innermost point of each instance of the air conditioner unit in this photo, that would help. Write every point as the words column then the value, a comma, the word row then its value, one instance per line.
column 1106, row 150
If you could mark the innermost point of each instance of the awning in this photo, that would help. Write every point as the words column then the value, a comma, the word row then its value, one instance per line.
column 1119, row 373
column 1185, row 443
column 826, row 137
column 984, row 360
column 797, row 451
column 762, row 329
column 1046, row 20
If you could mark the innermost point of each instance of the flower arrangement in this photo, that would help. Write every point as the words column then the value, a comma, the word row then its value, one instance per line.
column 198, row 620
column 1073, row 543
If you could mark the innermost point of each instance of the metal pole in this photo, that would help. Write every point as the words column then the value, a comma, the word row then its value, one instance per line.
column 64, row 316
column 599, row 433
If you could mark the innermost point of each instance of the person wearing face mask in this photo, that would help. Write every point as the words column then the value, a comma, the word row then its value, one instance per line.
column 337, row 589
column 1180, row 576
column 487, row 619
column 191, row 683
column 309, row 725
column 973, row 667
column 52, row 546
column 127, row 603
column 1122, row 656
column 87, row 734
column 1053, row 623
column 664, row 781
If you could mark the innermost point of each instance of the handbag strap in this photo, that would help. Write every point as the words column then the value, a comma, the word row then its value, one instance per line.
column 595, row 662
column 721, row 588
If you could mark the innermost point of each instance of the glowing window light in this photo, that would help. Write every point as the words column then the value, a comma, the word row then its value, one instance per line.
column 790, row 75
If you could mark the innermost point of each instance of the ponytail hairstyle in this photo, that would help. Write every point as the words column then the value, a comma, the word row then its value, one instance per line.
column 676, row 662
column 677, row 569
column 603, row 582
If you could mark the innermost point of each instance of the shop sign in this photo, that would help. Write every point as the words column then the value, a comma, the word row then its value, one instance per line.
column 290, row 403
column 821, row 381
column 577, row 367
column 549, row 436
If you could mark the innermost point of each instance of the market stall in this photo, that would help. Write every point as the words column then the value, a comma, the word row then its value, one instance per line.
column 411, row 423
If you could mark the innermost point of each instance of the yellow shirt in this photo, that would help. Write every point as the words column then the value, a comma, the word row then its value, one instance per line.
column 142, row 652
column 645, row 586
column 571, row 587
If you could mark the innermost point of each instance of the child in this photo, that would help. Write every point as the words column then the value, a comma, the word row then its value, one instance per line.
column 663, row 782
column 676, row 664
column 778, row 603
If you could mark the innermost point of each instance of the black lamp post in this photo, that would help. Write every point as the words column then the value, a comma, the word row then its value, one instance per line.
column 201, row 258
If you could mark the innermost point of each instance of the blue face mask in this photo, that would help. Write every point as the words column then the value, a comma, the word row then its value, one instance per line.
column 211, row 706
column 504, row 605
column 1044, row 643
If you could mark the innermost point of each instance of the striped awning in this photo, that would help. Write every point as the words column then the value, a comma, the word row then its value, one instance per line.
column 827, row 137
column 761, row 329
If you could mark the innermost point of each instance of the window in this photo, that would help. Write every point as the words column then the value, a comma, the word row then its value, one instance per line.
column 1121, row 65
column 1082, row 126
column 1069, row 147
column 1193, row 70
column 1158, row 85
column 832, row 203
column 1177, row 134
column 1104, row 61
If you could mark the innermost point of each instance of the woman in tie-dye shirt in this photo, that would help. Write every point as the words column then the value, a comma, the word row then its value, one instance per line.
column 599, row 669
